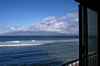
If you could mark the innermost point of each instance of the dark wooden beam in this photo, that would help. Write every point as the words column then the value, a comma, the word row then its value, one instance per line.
column 92, row 4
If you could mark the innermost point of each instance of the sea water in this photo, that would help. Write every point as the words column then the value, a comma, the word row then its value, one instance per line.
column 37, row 50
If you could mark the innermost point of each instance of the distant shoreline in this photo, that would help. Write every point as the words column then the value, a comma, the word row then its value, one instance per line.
column 8, row 38
column 41, row 36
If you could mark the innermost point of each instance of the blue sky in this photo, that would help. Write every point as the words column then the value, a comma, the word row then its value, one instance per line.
column 28, row 12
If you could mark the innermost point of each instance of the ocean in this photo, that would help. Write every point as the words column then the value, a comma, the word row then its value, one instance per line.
column 38, row 50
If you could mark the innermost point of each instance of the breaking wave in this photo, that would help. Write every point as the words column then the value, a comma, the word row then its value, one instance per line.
column 15, row 45
column 33, row 42
column 12, row 41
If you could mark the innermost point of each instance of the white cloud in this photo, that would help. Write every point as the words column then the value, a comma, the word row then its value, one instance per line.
column 69, row 15
column 12, row 28
column 75, row 20
column 50, row 24
column 49, row 18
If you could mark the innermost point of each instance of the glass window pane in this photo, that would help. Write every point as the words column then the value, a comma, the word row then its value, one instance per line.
column 92, row 31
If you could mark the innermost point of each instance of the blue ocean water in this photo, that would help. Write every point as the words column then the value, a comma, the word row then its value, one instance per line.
column 37, row 50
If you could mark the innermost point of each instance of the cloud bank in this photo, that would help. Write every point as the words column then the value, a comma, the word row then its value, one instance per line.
column 50, row 24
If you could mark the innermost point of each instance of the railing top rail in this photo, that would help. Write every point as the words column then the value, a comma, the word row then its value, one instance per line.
column 92, row 54
column 70, row 62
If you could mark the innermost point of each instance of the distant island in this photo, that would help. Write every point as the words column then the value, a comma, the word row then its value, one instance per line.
column 36, row 33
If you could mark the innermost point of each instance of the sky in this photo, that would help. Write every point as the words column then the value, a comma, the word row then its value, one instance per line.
column 42, row 15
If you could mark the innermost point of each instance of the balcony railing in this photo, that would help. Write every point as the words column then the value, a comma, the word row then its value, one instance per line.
column 72, row 63
column 92, row 61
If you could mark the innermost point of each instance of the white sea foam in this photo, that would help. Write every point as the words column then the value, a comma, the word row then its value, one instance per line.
column 71, row 40
column 33, row 42
column 12, row 41
column 16, row 45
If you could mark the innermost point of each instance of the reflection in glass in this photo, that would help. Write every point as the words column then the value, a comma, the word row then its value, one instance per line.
column 92, row 31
